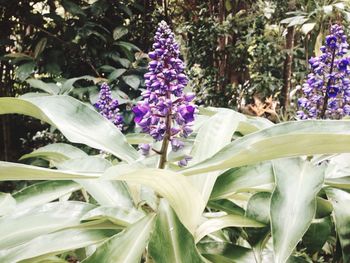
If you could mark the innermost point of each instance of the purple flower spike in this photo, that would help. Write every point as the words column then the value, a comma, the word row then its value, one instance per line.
column 165, row 109
column 108, row 107
column 327, row 89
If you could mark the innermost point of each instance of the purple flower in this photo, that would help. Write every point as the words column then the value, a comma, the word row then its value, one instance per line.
column 145, row 148
column 184, row 161
column 108, row 107
column 326, row 92
column 166, row 111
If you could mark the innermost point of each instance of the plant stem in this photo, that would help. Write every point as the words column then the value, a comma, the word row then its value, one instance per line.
column 165, row 144
column 326, row 97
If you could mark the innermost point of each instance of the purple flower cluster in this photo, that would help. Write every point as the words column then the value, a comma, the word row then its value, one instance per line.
column 165, row 112
column 327, row 89
column 108, row 107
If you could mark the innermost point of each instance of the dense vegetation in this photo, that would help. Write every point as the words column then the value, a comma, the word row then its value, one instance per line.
column 127, row 139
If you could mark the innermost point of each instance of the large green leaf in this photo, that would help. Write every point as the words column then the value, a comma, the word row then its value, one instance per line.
column 217, row 223
column 43, row 246
column 171, row 241
column 56, row 152
column 127, row 246
column 43, row 192
column 217, row 130
column 16, row 171
column 180, row 193
column 293, row 203
column 341, row 200
column 106, row 193
column 50, row 88
column 77, row 121
column 24, row 225
column 243, row 179
column 7, row 203
column 282, row 140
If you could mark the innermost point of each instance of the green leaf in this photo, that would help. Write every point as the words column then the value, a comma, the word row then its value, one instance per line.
column 72, row 8
column 119, row 32
column 40, row 46
column 340, row 200
column 317, row 234
column 14, row 171
column 118, row 215
column 220, row 252
column 127, row 45
column 56, row 243
column 127, row 246
column 68, row 85
column 24, row 225
column 180, row 193
column 56, row 152
column 77, row 121
column 132, row 80
column 287, row 139
column 7, row 203
column 243, row 179
column 293, row 203
column 171, row 241
column 116, row 73
column 43, row 192
column 104, row 192
column 258, row 207
column 217, row 130
column 50, row 88
column 307, row 27
column 217, row 223
column 25, row 70
column 339, row 182
column 324, row 207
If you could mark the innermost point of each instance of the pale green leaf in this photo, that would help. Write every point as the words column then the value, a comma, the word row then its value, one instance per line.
column 59, row 242
column 15, row 171
column 214, row 224
column 43, row 192
column 180, row 193
column 171, row 241
column 77, row 121
column 106, row 193
column 119, row 32
column 293, row 203
column 56, row 152
column 7, row 203
column 125, row 247
column 247, row 178
column 24, row 225
column 282, row 140
column 217, row 130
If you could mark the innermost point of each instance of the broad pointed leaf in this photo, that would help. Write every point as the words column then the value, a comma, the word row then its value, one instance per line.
column 127, row 246
column 77, row 121
column 171, row 241
column 282, row 140
column 293, row 203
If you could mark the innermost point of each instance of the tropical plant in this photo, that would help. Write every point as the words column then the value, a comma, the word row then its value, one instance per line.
column 253, row 191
